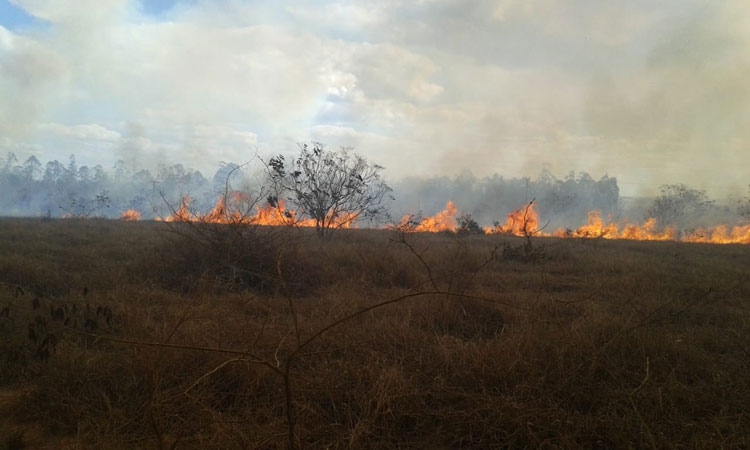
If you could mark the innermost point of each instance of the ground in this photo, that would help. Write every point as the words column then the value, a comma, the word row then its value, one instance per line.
column 118, row 335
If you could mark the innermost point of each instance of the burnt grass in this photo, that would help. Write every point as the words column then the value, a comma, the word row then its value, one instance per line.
column 121, row 335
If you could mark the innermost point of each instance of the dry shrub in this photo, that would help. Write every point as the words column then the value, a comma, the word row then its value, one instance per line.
column 235, row 256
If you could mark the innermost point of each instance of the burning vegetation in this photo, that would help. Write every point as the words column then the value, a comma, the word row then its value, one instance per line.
column 330, row 190
column 130, row 215
column 520, row 222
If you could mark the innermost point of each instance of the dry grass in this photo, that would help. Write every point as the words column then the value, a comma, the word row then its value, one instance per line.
column 598, row 344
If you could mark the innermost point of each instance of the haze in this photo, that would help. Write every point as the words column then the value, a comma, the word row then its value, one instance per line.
column 649, row 92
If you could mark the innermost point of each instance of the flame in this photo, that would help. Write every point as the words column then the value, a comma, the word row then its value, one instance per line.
column 521, row 222
column 445, row 220
column 598, row 228
column 182, row 213
column 130, row 215
column 720, row 235
column 647, row 232
column 237, row 209
column 275, row 215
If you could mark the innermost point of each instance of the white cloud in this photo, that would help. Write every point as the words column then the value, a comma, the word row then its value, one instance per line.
column 428, row 86
column 88, row 132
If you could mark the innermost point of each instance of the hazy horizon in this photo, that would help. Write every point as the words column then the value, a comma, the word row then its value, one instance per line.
column 648, row 93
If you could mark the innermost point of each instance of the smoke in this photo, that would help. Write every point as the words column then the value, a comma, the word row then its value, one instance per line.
column 653, row 94
column 688, row 107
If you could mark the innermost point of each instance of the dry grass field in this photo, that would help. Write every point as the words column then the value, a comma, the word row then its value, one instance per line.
column 117, row 335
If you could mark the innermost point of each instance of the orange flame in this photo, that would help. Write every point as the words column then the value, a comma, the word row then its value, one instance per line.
column 597, row 228
column 182, row 213
column 720, row 235
column 445, row 220
column 275, row 216
column 521, row 222
column 130, row 215
column 237, row 210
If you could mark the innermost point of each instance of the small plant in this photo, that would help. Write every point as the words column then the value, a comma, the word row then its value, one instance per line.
column 467, row 225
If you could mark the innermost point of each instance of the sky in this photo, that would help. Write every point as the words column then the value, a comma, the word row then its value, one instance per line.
column 650, row 92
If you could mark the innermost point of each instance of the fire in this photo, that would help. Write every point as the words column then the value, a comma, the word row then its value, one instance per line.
column 597, row 228
column 521, row 222
column 182, row 213
column 647, row 232
column 721, row 235
column 275, row 215
column 238, row 209
column 445, row 220
column 130, row 215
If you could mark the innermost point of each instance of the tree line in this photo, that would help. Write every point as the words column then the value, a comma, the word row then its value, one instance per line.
column 333, row 187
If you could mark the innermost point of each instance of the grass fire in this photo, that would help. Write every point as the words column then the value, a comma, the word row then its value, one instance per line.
column 296, row 312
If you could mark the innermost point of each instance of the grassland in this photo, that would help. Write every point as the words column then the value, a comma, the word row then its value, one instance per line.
column 123, row 335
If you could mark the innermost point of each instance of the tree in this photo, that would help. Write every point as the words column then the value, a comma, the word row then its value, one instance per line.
column 743, row 208
column 32, row 168
column 677, row 202
column 10, row 162
column 335, row 189
column 54, row 171
column 82, row 207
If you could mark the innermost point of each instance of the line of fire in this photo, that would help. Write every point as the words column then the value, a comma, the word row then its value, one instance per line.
column 524, row 222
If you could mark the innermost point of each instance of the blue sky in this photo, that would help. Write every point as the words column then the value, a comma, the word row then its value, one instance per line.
column 12, row 17
column 651, row 93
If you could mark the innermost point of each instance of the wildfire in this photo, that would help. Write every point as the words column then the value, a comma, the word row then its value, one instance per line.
column 238, row 209
column 598, row 228
column 521, row 222
column 595, row 228
column 130, row 215
column 445, row 220
column 648, row 231
column 721, row 234
column 275, row 215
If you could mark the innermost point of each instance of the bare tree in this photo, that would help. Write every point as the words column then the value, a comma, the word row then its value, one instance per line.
column 677, row 203
column 335, row 189
column 82, row 207
column 743, row 209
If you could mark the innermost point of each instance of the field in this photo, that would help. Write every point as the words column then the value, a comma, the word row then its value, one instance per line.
column 118, row 335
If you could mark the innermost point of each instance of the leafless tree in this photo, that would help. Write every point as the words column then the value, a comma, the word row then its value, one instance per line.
column 744, row 206
column 82, row 207
column 336, row 189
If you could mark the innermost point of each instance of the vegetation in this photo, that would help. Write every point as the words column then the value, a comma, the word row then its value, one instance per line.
column 743, row 209
column 34, row 188
column 115, row 335
column 467, row 225
column 335, row 189
column 678, row 204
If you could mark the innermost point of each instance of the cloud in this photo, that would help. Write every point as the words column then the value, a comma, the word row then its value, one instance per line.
column 650, row 92
column 88, row 132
